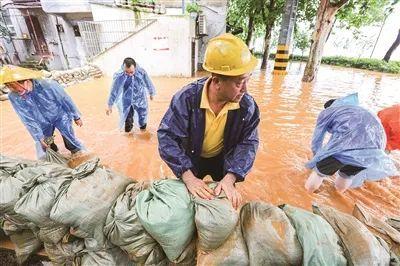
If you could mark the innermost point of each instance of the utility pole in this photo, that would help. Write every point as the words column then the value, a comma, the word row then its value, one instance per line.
column 285, row 37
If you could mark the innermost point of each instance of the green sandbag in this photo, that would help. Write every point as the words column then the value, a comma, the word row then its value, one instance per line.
column 124, row 229
column 269, row 235
column 167, row 213
column 361, row 247
column 37, row 203
column 85, row 203
column 319, row 241
column 26, row 244
column 379, row 228
column 233, row 252
column 215, row 220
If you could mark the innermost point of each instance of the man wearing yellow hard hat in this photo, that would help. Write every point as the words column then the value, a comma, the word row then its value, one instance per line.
column 211, row 125
column 42, row 105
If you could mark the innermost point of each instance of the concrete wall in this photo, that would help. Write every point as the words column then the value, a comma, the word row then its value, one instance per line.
column 163, row 48
column 62, row 6
column 215, row 23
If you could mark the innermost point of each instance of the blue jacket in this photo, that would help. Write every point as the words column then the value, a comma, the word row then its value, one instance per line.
column 134, row 95
column 356, row 138
column 46, row 107
column 181, row 133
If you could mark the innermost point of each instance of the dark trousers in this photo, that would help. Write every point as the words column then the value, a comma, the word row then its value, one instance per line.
column 129, row 121
column 213, row 166
column 68, row 145
column 331, row 165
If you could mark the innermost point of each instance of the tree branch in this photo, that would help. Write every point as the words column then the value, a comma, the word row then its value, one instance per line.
column 338, row 4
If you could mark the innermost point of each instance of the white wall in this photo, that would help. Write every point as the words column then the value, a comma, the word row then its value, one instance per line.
column 163, row 48
column 63, row 6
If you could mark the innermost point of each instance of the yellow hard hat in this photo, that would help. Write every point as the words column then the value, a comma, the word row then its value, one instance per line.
column 228, row 55
column 10, row 73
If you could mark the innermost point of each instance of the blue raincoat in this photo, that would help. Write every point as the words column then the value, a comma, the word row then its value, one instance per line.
column 181, row 133
column 46, row 107
column 357, row 138
column 131, row 92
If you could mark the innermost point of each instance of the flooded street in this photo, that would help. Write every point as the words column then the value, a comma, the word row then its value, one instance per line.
column 288, row 114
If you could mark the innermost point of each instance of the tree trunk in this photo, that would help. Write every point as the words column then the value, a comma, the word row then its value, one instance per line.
column 267, row 41
column 250, row 29
column 325, row 19
column 392, row 48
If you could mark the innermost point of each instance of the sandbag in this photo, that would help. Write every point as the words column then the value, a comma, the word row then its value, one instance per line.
column 319, row 241
column 233, row 252
column 123, row 229
column 65, row 253
column 189, row 256
column 37, row 203
column 26, row 244
column 394, row 222
column 215, row 220
column 379, row 228
column 55, row 157
column 85, row 203
column 11, row 165
column 269, row 235
column 361, row 247
column 111, row 257
column 167, row 213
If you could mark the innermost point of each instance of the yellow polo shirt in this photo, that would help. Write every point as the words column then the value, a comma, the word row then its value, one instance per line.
column 215, row 125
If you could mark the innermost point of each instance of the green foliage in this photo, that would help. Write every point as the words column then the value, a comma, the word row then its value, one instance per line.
column 301, row 39
column 362, row 63
column 193, row 8
column 356, row 13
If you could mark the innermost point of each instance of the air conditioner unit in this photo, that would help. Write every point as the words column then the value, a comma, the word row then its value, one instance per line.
column 201, row 25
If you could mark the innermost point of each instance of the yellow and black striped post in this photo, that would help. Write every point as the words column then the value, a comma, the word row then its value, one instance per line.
column 281, row 59
column 285, row 37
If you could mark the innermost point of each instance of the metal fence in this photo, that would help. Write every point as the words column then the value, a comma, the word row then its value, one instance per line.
column 99, row 36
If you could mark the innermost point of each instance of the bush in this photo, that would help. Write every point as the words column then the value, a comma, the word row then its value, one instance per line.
column 361, row 63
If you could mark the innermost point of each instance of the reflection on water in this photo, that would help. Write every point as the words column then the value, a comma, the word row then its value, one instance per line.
column 288, row 112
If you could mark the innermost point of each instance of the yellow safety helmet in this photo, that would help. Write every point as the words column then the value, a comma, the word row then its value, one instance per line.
column 228, row 55
column 10, row 73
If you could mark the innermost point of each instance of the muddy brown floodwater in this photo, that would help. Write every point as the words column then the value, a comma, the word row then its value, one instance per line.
column 288, row 113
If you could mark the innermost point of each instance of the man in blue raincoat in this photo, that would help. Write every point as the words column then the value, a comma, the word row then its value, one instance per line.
column 210, row 127
column 42, row 106
column 355, row 150
column 129, row 89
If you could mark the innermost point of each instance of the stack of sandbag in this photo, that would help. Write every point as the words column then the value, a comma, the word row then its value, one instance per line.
column 361, row 247
column 232, row 252
column 3, row 92
column 318, row 240
column 76, row 75
column 215, row 220
column 380, row 229
column 166, row 212
column 14, row 174
column 35, row 205
column 86, row 201
column 269, row 235
column 124, row 229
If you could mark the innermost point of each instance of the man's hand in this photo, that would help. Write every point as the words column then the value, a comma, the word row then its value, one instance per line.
column 227, row 184
column 44, row 144
column 109, row 110
column 78, row 122
column 196, row 186
column 151, row 97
